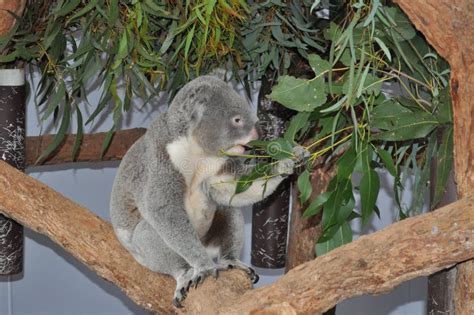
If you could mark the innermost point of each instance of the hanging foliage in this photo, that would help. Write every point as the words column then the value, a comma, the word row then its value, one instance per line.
column 347, row 115
column 127, row 49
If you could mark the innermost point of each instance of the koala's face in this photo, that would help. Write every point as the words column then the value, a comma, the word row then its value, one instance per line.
column 227, row 122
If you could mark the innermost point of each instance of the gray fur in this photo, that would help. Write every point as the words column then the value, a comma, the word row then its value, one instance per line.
column 170, row 203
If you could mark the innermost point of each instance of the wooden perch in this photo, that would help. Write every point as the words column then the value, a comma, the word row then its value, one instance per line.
column 449, row 27
column 373, row 264
column 90, row 148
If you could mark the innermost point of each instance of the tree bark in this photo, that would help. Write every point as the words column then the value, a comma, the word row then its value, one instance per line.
column 7, row 19
column 305, row 231
column 91, row 147
column 449, row 26
column 372, row 264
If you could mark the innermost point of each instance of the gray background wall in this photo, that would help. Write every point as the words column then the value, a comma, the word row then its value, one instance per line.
column 54, row 283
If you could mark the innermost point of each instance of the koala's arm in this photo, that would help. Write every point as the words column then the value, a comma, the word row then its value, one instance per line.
column 221, row 188
column 163, row 208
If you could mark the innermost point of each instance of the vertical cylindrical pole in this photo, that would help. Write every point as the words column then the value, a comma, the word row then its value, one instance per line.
column 12, row 151
column 270, row 217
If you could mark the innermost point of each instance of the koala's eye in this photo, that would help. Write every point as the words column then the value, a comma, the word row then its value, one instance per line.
column 237, row 121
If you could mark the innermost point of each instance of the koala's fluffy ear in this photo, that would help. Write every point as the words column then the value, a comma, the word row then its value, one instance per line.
column 219, row 73
column 197, row 99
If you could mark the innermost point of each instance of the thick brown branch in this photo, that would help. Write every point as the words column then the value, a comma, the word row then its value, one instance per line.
column 86, row 236
column 91, row 147
column 373, row 264
column 449, row 26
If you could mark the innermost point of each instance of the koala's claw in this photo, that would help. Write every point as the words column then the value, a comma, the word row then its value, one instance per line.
column 177, row 300
column 200, row 276
column 253, row 276
column 235, row 263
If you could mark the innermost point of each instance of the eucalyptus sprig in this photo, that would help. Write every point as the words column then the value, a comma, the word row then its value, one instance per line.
column 127, row 49
column 347, row 115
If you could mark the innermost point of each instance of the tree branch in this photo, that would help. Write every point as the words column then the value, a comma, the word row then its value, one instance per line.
column 91, row 147
column 449, row 26
column 373, row 264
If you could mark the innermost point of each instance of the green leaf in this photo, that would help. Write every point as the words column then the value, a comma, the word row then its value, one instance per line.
column 319, row 65
column 189, row 39
column 371, row 85
column 316, row 205
column 60, row 135
column 388, row 161
column 169, row 38
column 88, row 7
column 407, row 127
column 369, row 190
column 246, row 180
column 156, row 8
column 346, row 164
column 444, row 160
column 444, row 113
column 113, row 12
column 400, row 123
column 280, row 149
column 384, row 48
column 68, row 7
column 79, row 135
column 373, row 11
column 299, row 94
column 123, row 46
column 58, row 96
column 108, row 139
column 403, row 29
column 341, row 237
column 297, row 122
column 304, row 186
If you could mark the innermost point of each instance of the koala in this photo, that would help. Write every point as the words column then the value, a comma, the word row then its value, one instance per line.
column 173, row 205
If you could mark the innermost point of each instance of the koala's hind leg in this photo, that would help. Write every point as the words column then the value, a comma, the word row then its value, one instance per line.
column 151, row 251
column 227, row 236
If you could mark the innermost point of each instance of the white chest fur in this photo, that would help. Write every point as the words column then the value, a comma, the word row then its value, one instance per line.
column 196, row 167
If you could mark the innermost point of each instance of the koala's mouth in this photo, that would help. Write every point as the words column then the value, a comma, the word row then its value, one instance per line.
column 238, row 148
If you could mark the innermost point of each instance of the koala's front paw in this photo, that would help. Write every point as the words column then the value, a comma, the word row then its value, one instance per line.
column 235, row 263
column 300, row 153
column 285, row 167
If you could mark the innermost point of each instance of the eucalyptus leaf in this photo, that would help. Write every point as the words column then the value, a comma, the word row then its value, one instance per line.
column 316, row 205
column 342, row 236
column 297, row 122
column 280, row 149
column 369, row 190
column 299, row 94
column 444, row 161
column 319, row 65
column 304, row 186
column 388, row 161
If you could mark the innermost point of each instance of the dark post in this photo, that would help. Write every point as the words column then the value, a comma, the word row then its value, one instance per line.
column 12, row 151
column 270, row 217
column 441, row 284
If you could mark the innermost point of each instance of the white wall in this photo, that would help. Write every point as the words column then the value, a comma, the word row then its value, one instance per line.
column 55, row 283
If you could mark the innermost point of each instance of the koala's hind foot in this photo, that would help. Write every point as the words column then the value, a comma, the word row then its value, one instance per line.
column 193, row 278
column 203, row 273
column 237, row 264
